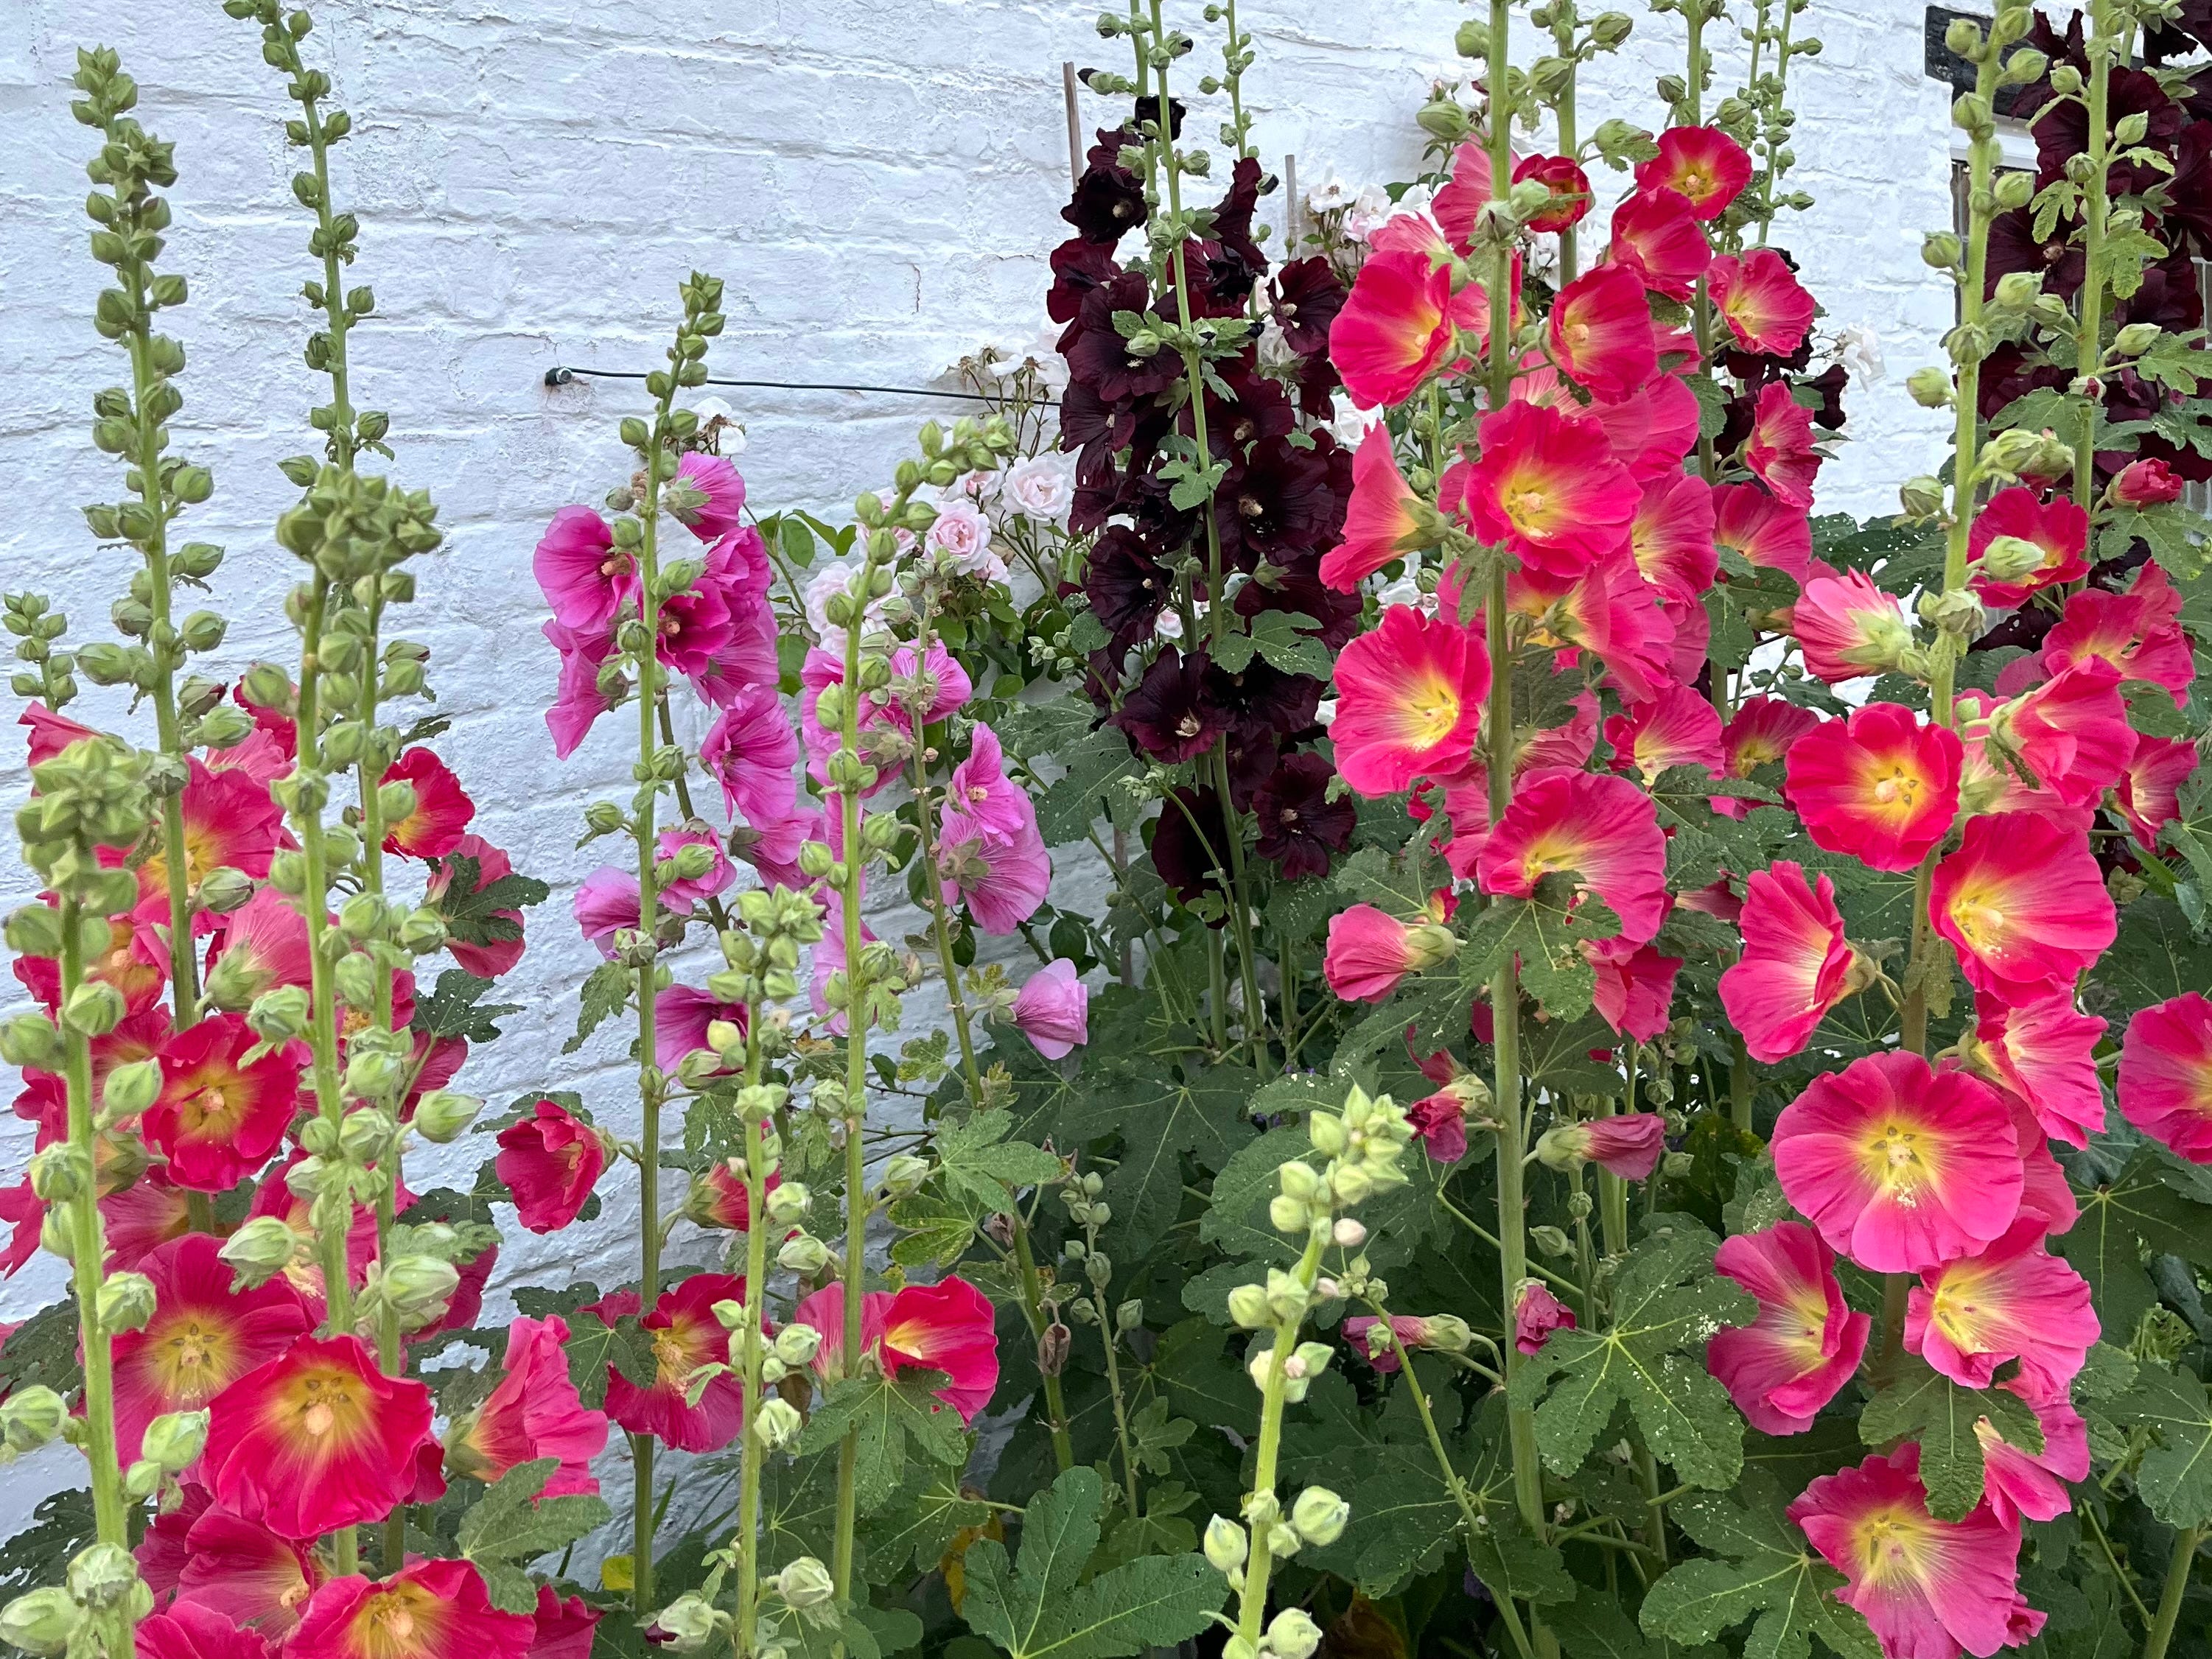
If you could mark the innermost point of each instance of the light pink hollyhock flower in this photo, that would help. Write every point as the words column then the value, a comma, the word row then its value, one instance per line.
column 2045, row 1051
column 578, row 702
column 1848, row 628
column 2032, row 1485
column 1001, row 882
column 680, row 1018
column 1369, row 951
column 682, row 893
column 2072, row 732
column 1536, row 1314
column 1679, row 728
column 948, row 1328
column 608, row 902
column 1634, row 993
column 1602, row 829
column 1901, row 1167
column 1796, row 966
column 751, row 751
column 1629, row 1145
column 532, row 1412
column 2014, row 1301
column 1789, row 1362
column 1410, row 1329
column 1051, row 1008
column 980, row 789
column 939, row 673
column 723, row 510
column 771, row 847
column 583, row 577
column 2024, row 903
column 2166, row 1074
column 1930, row 1589
column 2150, row 790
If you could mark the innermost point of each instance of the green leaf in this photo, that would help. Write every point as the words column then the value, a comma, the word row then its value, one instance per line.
column 2175, row 1477
column 2136, row 1200
column 1757, row 1565
column 1164, row 1116
column 1039, row 1607
column 592, row 1347
column 472, row 907
column 1096, row 763
column 920, row 1523
column 62, row 1525
column 891, row 1416
column 1925, row 1406
column 455, row 1008
column 510, row 1526
column 605, row 994
column 43, row 1350
column 1546, row 932
column 976, row 1160
column 2156, row 957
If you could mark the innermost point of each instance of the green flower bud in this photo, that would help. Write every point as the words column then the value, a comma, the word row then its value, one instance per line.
column 1248, row 1305
column 259, row 1250
column 1226, row 1544
column 40, row 1622
column 803, row 1254
column 133, row 1088
column 688, row 1624
column 1299, row 1179
column 1326, row 1131
column 223, row 889
column 2136, row 338
column 102, row 1576
column 2016, row 290
column 174, row 1440
column 1921, row 498
column 34, row 930
column 61, row 1172
column 1939, row 251
column 1446, row 120
column 788, row 1203
column 30, row 1041
column 780, row 1423
column 1930, row 386
column 1286, row 1214
column 1551, row 1241
column 2014, row 191
column 1291, row 1634
column 29, row 1418
column 94, row 1009
column 1353, row 1184
column 125, row 1302
column 442, row 1115
column 279, row 1015
column 1320, row 1516
column 797, row 1345
column 418, row 1287
column 903, row 1174
column 806, row 1583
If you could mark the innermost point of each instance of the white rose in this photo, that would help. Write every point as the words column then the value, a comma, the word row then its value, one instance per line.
column 1039, row 487
column 1370, row 209
column 1859, row 350
column 1328, row 196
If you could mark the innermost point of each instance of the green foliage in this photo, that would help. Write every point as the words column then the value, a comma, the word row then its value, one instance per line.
column 1924, row 1405
column 1758, row 1567
column 890, row 1419
column 510, row 1526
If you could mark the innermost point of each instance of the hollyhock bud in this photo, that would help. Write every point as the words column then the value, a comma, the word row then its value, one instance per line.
column 780, row 1424
column 1921, row 497
column 806, row 1583
column 1226, row 1546
column 1536, row 1314
column 1051, row 1008
column 1320, row 1516
column 1248, row 1306
column 131, row 1089
column 94, row 1009
column 797, row 1345
column 442, row 1116
column 1551, row 1241
column 1292, row 1634
column 125, row 1302
column 688, row 1624
column 803, row 1254
column 43, row 1622
column 259, row 1250
column 418, row 1288
column 279, row 1015
column 1931, row 387
column 29, row 1418
column 1629, row 1145
column 102, row 1576
column 2147, row 482
column 175, row 1440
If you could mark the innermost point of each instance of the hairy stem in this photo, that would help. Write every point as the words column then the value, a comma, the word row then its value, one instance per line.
column 88, row 1248
column 1252, row 1608
column 756, row 1451
column 2177, row 1585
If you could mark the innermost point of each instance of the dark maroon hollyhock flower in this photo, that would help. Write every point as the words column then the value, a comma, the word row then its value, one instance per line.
column 2007, row 375
column 1221, row 284
column 1753, row 369
column 1128, row 587
column 1307, row 296
column 1299, row 826
column 1109, row 201
column 2014, row 246
column 1170, row 715
column 1277, row 505
column 1830, row 383
column 1078, row 267
column 1099, row 356
column 2063, row 131
column 2169, row 296
column 1233, row 220
column 2183, row 36
column 1148, row 109
column 1301, row 592
column 1318, row 384
column 1249, row 752
column 1263, row 697
column 2188, row 217
column 1190, row 845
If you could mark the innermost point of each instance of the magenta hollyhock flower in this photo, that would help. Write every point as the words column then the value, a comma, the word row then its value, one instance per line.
column 680, row 1018
column 1570, row 187
column 772, row 845
column 550, row 1162
column 2044, row 1052
column 263, row 945
column 1536, row 1314
column 1629, row 1144
column 1439, row 1121
column 1703, row 164
column 2146, row 482
column 1381, row 521
column 1409, row 700
column 751, row 751
column 1051, row 1008
column 1634, row 992
column 241, row 1570
column 1410, row 1329
column 1651, row 429
column 719, row 1198
column 1796, row 966
column 2014, row 1301
column 1677, row 728
column 2058, row 529
column 584, row 578
column 2137, row 632
column 1395, row 329
column 2024, row 903
column 745, row 657
column 1672, row 536
column 1760, row 299
column 685, row 1337
column 939, row 673
column 1881, row 787
column 1656, row 235
column 1848, row 626
column 608, row 900
column 230, row 820
column 2032, row 1485
column 1794, row 1358
column 1601, row 828
column 2150, row 790
column 1547, row 487
column 563, row 1630
column 577, row 701
column 220, row 1115
column 694, row 627
column 948, row 1328
column 1609, row 611
column 682, row 893
column 433, row 1609
column 1369, row 951
column 2166, row 1074
column 1001, row 881
column 2072, row 732
column 1769, row 533
column 1600, row 332
column 188, row 1631
column 1930, row 1589
column 443, row 808
column 722, row 512
column 532, row 1412
column 1779, row 450
column 1901, row 1167
column 980, row 790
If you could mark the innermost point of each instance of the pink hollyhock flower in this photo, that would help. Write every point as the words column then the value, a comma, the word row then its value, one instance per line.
column 263, row 945
column 1601, row 828
column 201, row 1339
column 771, row 847
column 435, row 1609
column 133, row 961
column 549, row 1161
column 948, row 1328
column 694, row 627
column 1600, row 332
column 685, row 1337
column 1795, row 1357
column 1796, row 966
column 219, row 1117
column 1928, row 1588
column 1609, row 611
column 1395, row 329
column 2166, row 1074
column 578, row 702
column 940, row 688
column 2024, row 903
column 2150, row 789
column 1703, row 164
column 2146, row 482
column 1409, row 700
column 1459, row 200
column 982, row 790
column 751, row 751
column 1779, row 450
column 1634, row 992
column 1569, row 184
column 1002, row 882
column 24, row 1214
column 532, row 1412
column 190, row 1631
column 2044, row 1197
column 2014, row 1301
column 230, row 821
column 2043, row 1052
column 1762, row 301
column 141, row 1218
column 2032, row 1485
column 1629, row 1145
column 1672, row 536
column 2072, row 732
column 680, row 1018
column 563, row 1630
column 1878, row 787
column 1369, row 951
column 1769, row 533
column 1409, row 1329
column 1381, row 520
column 501, row 946
column 584, row 578
column 608, row 902
column 682, row 893
column 723, row 510
column 50, row 733
column 1547, row 487
column 2135, row 632
column 1536, row 1314
column 718, row 1198
column 1848, row 628
column 2057, row 527
column 1656, row 235
column 1051, row 1008
column 1651, row 429
column 830, row 954
column 317, row 1439
column 1679, row 728
column 442, row 807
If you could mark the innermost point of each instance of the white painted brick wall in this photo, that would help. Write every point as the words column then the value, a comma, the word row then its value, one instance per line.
column 877, row 182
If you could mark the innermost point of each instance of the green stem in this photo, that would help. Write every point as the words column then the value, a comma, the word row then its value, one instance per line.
column 1252, row 1607
column 2090, row 345
column 1063, row 1447
column 755, row 1451
column 1741, row 1083
column 1112, row 1340
column 2177, row 1585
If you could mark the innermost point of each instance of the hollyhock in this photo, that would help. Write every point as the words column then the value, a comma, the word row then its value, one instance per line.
column 1762, row 301
column 2166, row 1074
column 772, row 846
column 433, row 1610
column 2146, row 482
column 2150, row 789
column 685, row 1337
column 2072, row 733
column 1395, row 330
column 134, row 961
column 1629, row 1145
column 1769, row 533
column 1794, row 1358
column 190, row 1631
column 219, row 1117
column 1172, row 715
column 2014, row 1301
column 980, row 789
column 608, row 900
column 201, row 1339
column 1681, row 728
column 578, row 700
column 230, row 823
column 1600, row 332
column 1459, row 201
column 695, row 626
column 1439, row 1121
column 947, row 1328
column 1369, row 951
column 139, row 1219
column 680, row 1018
column 500, row 946
column 1548, row 489
column 237, row 1568
column 829, row 956
column 722, row 512
column 1930, row 1589
column 1411, row 1331
column 747, row 657
column 549, row 1161
column 1672, row 536
column 2043, row 1052
column 1703, row 164
column 718, row 1198
column 1051, row 1008
column 1409, row 700
column 50, row 733
column 1603, row 828
column 2135, row 632
column 262, row 945
column 1779, row 450
column 2023, row 1485
column 583, row 576
column 1002, row 882
column 1298, row 825
column 1381, row 521
column 2024, row 903
column 1656, row 235
column 443, row 808
column 1571, row 192
column 1536, row 1314
column 751, row 751
column 563, row 1630
column 940, row 686
column 1878, row 787
column 532, row 1412
column 1651, row 429
column 1796, row 966
column 318, row 1439
column 1634, row 991
column 682, row 893
column 2058, row 527
column 1848, row 628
